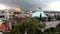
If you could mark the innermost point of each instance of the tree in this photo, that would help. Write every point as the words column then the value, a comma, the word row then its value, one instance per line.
column 51, row 30
column 58, row 17
column 29, row 26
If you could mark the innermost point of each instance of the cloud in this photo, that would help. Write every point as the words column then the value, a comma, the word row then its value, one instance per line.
column 28, row 4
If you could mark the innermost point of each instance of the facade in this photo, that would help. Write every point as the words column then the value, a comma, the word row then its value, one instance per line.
column 4, row 15
column 37, row 13
column 52, row 13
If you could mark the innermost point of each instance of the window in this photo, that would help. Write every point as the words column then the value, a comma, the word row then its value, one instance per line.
column 17, row 13
column 2, row 16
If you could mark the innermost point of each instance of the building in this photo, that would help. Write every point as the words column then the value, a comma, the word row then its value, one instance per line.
column 37, row 13
column 52, row 13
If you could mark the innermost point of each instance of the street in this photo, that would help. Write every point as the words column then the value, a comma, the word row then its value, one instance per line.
column 51, row 24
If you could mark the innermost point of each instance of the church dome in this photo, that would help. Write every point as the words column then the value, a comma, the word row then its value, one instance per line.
column 17, row 9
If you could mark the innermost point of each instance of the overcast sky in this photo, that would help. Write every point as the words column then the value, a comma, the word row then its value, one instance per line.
column 28, row 4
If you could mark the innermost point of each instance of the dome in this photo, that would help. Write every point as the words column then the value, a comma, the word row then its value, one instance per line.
column 17, row 9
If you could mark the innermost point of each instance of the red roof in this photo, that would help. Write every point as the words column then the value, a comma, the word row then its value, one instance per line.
column 3, row 27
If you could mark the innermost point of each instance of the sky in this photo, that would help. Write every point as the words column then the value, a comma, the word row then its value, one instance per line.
column 31, row 4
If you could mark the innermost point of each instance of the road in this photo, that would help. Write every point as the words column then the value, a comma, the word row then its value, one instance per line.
column 51, row 24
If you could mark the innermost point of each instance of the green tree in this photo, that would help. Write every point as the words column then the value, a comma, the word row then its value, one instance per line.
column 29, row 26
column 53, row 30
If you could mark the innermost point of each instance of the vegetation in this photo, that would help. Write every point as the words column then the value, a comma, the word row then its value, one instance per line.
column 53, row 30
column 57, row 17
column 33, row 26
column 29, row 26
